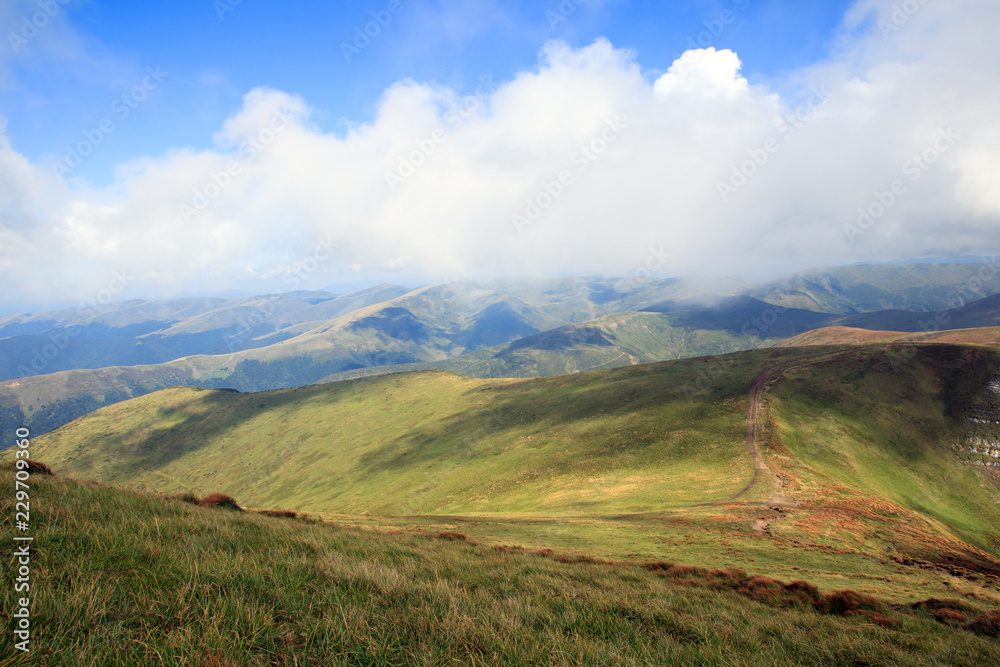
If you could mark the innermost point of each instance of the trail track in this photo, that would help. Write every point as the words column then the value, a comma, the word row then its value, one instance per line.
column 756, row 431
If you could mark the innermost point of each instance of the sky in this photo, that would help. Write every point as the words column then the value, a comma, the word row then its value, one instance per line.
column 218, row 146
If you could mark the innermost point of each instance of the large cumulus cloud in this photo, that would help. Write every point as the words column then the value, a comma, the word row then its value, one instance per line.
column 582, row 165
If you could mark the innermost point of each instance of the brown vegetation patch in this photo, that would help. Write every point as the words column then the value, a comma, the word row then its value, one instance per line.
column 969, row 562
column 987, row 625
column 454, row 536
column 592, row 559
column 676, row 570
column 950, row 617
column 186, row 497
column 949, row 604
column 776, row 593
column 658, row 565
column 803, row 587
column 281, row 514
column 683, row 582
column 842, row 603
column 33, row 467
column 220, row 500
column 761, row 589
column 876, row 617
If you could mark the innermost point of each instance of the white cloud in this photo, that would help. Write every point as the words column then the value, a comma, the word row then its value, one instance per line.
column 703, row 73
column 641, row 162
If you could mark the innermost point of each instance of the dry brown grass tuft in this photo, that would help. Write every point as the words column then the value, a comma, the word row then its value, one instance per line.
column 950, row 617
column 454, row 536
column 594, row 560
column 803, row 591
column 658, row 566
column 34, row 467
column 220, row 500
column 949, row 612
column 987, row 624
column 281, row 514
column 841, row 603
column 876, row 617
column 186, row 497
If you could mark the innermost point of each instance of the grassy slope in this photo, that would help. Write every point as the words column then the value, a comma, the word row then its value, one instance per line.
column 615, row 441
column 880, row 428
column 127, row 579
column 45, row 402
column 852, row 336
column 558, row 461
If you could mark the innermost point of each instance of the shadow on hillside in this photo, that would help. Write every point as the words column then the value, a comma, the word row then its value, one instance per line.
column 205, row 414
column 542, row 404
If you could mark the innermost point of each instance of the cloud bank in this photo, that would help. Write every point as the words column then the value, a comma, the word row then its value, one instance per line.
column 889, row 149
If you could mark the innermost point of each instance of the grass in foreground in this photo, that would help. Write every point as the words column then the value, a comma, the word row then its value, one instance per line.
column 123, row 578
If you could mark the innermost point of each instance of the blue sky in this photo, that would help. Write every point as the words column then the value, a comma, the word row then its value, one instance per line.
column 214, row 52
column 212, row 146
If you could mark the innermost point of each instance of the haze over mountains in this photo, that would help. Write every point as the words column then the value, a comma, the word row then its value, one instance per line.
column 59, row 365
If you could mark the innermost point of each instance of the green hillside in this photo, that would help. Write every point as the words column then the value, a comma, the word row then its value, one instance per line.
column 45, row 402
column 849, row 336
column 427, row 443
column 885, row 427
column 855, row 477
column 123, row 579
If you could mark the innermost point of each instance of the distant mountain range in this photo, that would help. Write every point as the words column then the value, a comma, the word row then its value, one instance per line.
column 59, row 365
column 676, row 330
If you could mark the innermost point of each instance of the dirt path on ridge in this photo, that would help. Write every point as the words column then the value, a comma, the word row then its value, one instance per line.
column 756, row 429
